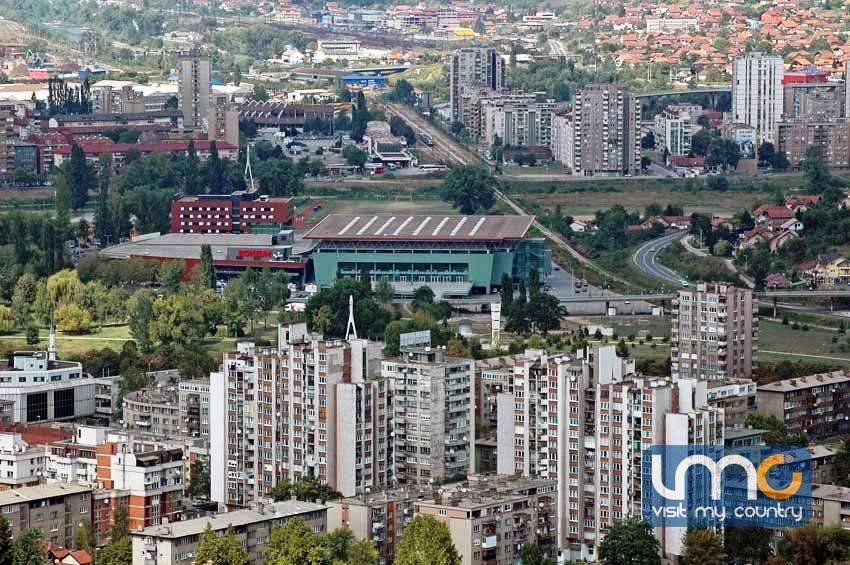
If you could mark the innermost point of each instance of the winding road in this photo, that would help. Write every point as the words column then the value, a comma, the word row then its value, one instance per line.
column 646, row 259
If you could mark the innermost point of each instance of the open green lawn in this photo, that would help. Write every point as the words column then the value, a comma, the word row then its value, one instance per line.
column 115, row 336
column 813, row 345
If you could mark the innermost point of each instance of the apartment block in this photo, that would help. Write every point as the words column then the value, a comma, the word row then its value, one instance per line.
column 55, row 509
column 153, row 409
column 491, row 518
column 737, row 398
column 150, row 480
column 584, row 420
column 177, row 543
column 822, row 100
column 830, row 137
column 757, row 94
column 195, row 89
column 379, row 517
column 714, row 333
column 562, row 140
column 817, row 405
column 673, row 129
column 516, row 119
column 474, row 67
column 606, row 136
column 194, row 401
column 21, row 464
column 432, row 419
column 310, row 407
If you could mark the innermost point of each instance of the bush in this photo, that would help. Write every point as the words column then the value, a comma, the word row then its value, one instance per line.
column 784, row 320
column 631, row 338
column 795, row 326
column 805, row 328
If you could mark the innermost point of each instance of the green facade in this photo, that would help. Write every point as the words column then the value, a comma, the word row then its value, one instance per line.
column 455, row 262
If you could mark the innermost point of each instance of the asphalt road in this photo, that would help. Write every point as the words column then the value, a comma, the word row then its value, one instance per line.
column 645, row 259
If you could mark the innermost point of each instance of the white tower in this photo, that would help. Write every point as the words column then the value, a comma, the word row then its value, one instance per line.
column 350, row 329
column 249, row 174
column 51, row 345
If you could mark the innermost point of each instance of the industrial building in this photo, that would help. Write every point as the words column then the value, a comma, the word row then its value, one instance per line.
column 455, row 255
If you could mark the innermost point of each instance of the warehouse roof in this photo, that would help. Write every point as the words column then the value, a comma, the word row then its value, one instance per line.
column 387, row 227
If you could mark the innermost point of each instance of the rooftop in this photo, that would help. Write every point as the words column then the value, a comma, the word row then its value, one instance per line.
column 188, row 245
column 40, row 492
column 802, row 383
column 386, row 227
column 226, row 519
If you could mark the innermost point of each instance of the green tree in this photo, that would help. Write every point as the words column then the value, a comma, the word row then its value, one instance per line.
column 702, row 547
column 177, row 320
column 120, row 524
column 392, row 340
column 294, row 543
column 384, row 292
column 192, row 170
column 85, row 537
column 747, row 545
column 72, row 318
column 199, row 481
column 139, row 316
column 221, row 550
column 81, row 177
column 307, row 489
column 518, row 317
column 119, row 552
column 322, row 319
column 362, row 552
column 470, row 189
column 28, row 548
column 355, row 156
column 629, row 542
column 816, row 176
column 531, row 554
column 207, row 277
column 338, row 544
column 278, row 177
column 841, row 464
column 777, row 432
column 622, row 349
column 23, row 299
column 170, row 275
column 425, row 541
column 214, row 172
column 5, row 542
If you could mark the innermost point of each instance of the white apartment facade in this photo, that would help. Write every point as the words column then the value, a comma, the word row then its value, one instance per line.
column 562, row 140
column 757, row 94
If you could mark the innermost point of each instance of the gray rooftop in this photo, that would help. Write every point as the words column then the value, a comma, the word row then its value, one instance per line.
column 811, row 381
column 387, row 227
column 40, row 492
column 188, row 245
column 236, row 518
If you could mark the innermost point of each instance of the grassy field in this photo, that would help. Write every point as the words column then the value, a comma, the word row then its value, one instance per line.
column 789, row 343
column 115, row 336
column 587, row 203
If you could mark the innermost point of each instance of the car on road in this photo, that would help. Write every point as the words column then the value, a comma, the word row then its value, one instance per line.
column 653, row 249
column 685, row 284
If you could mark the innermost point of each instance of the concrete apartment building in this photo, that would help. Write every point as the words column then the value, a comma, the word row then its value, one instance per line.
column 757, row 94
column 563, row 139
column 432, row 421
column 714, row 332
column 516, row 119
column 737, row 398
column 474, row 68
column 153, row 409
column 310, row 407
column 817, row 405
column 55, row 509
column 829, row 136
column 490, row 518
column 575, row 419
column 195, row 88
column 606, row 136
column 194, row 401
column 21, row 464
column 151, row 481
column 379, row 517
column 176, row 543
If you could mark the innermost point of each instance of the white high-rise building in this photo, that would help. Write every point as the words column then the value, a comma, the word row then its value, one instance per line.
column 757, row 94
column 585, row 421
column 195, row 89
column 562, row 139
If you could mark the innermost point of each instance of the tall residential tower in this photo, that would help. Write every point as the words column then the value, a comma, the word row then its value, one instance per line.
column 474, row 68
column 757, row 94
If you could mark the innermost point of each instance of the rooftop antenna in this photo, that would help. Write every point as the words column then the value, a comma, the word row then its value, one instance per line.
column 249, row 174
column 350, row 328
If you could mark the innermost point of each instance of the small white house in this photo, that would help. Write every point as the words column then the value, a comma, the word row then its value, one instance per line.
column 292, row 57
column 579, row 226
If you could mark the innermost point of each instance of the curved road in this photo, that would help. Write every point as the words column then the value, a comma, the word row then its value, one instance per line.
column 645, row 258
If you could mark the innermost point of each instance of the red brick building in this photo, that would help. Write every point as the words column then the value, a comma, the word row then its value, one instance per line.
column 239, row 212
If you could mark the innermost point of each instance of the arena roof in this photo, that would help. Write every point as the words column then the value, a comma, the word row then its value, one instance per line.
column 387, row 227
